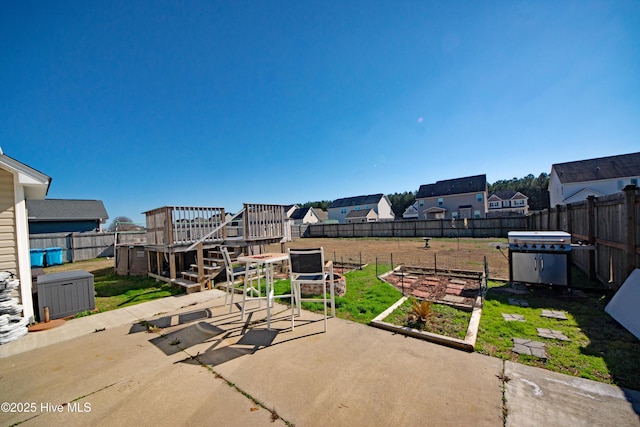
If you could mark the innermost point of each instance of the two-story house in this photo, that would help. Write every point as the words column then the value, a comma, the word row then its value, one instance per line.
column 379, row 204
column 574, row 181
column 453, row 198
column 508, row 202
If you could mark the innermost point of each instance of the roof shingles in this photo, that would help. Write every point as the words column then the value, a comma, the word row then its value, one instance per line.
column 469, row 184
column 622, row 166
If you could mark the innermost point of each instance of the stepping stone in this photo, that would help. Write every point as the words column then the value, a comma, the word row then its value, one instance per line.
column 458, row 282
column 560, row 315
column 553, row 334
column 518, row 302
column 454, row 299
column 453, row 291
column 513, row 317
column 529, row 348
column 421, row 294
column 516, row 291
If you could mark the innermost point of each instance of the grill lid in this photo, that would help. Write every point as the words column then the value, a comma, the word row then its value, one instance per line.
column 556, row 237
column 540, row 240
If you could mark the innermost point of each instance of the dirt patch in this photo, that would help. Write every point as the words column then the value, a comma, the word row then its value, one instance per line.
column 442, row 289
column 443, row 253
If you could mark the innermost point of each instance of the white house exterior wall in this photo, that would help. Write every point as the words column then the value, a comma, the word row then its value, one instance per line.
column 382, row 208
column 384, row 211
column 8, row 245
column 559, row 192
column 14, row 237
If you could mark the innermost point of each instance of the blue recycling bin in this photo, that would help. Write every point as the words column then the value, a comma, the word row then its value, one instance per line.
column 37, row 257
column 54, row 256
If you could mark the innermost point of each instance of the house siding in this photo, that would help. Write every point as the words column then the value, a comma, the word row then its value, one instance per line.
column 62, row 226
column 8, row 249
column 559, row 192
column 453, row 202
column 382, row 209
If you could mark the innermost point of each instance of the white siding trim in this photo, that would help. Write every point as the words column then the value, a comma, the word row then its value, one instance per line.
column 24, row 258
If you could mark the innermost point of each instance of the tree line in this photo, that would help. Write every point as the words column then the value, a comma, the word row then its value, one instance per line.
column 534, row 188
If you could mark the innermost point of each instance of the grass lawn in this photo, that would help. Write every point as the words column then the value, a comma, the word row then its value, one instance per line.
column 366, row 296
column 600, row 349
column 113, row 291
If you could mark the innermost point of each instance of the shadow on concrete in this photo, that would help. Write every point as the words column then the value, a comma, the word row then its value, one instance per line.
column 186, row 337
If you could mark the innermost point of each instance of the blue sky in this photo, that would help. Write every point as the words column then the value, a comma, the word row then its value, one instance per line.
column 149, row 103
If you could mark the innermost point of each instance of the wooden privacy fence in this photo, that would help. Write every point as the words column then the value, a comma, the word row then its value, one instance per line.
column 610, row 223
column 82, row 246
column 473, row 227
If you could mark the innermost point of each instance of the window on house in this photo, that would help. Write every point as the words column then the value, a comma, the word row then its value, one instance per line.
column 344, row 210
column 620, row 184
column 454, row 214
column 440, row 201
column 421, row 202
column 479, row 197
column 476, row 214
column 634, row 181
column 357, row 208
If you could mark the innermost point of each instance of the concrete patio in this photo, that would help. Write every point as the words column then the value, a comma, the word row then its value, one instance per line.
column 208, row 367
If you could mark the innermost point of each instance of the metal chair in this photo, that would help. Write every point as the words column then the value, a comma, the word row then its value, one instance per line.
column 232, row 274
column 307, row 266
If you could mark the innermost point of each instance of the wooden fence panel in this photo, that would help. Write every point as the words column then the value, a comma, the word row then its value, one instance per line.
column 611, row 223
column 479, row 227
column 76, row 246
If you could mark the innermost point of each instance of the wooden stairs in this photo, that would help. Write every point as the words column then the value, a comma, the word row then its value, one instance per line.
column 213, row 266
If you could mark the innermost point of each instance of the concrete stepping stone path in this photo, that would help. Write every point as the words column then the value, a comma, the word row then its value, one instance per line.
column 529, row 348
column 553, row 334
column 554, row 314
column 513, row 317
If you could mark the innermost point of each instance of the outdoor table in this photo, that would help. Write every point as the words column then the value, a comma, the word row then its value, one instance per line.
column 265, row 262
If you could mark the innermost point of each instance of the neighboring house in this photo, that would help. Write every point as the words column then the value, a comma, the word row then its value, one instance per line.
column 575, row 181
column 453, row 198
column 290, row 209
column 508, row 202
column 411, row 212
column 323, row 216
column 379, row 203
column 304, row 216
column 19, row 184
column 65, row 215
column 360, row 216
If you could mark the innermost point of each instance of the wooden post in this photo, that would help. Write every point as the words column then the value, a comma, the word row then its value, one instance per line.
column 630, row 227
column 200, row 254
column 569, row 220
column 558, row 218
column 591, row 235
column 159, row 263
column 47, row 317
column 172, row 265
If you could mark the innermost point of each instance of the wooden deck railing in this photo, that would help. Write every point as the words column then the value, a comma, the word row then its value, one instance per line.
column 182, row 225
column 171, row 225
column 263, row 222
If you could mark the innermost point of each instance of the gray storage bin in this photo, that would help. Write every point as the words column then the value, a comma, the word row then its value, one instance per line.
column 66, row 293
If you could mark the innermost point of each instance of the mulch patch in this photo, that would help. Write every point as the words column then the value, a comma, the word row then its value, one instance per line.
column 435, row 288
